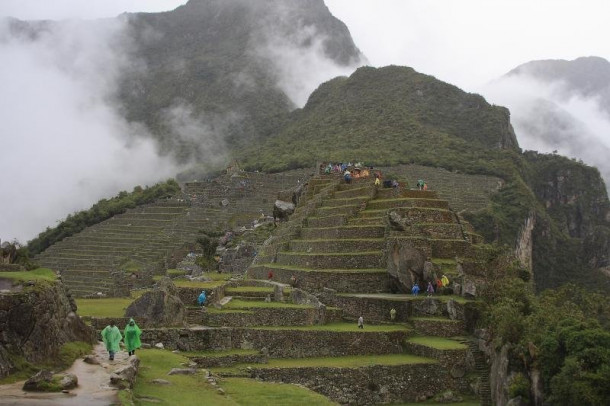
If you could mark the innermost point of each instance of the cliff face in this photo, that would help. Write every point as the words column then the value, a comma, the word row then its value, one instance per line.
column 36, row 319
column 573, row 243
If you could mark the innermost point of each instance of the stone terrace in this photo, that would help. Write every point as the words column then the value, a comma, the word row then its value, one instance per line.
column 109, row 257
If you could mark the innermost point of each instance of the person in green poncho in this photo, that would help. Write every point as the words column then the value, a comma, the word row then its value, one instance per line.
column 132, row 337
column 112, row 337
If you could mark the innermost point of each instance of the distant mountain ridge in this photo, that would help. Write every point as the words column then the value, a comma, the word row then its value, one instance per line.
column 221, row 61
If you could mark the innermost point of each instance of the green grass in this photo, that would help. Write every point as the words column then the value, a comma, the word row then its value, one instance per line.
column 354, row 361
column 237, row 351
column 436, row 319
column 248, row 392
column 189, row 390
column 106, row 307
column 184, row 389
column 43, row 274
column 215, row 276
column 241, row 289
column 185, row 283
column 344, row 270
column 343, row 327
column 248, row 304
column 438, row 343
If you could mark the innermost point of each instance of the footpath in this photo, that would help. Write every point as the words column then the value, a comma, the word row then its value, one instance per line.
column 93, row 385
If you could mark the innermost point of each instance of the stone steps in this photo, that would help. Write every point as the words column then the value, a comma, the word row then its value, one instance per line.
column 327, row 221
column 385, row 204
column 353, row 260
column 314, row 280
column 341, row 232
column 336, row 245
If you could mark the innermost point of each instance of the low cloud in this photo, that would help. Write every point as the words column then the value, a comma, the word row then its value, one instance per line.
column 64, row 143
column 548, row 118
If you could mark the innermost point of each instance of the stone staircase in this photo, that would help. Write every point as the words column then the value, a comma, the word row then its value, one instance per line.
column 336, row 246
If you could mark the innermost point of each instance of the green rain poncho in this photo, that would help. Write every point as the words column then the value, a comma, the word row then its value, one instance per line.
column 112, row 337
column 132, row 336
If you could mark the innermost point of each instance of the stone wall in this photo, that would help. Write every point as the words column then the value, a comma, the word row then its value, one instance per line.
column 318, row 280
column 439, row 328
column 189, row 295
column 36, row 321
column 367, row 385
column 378, row 309
column 293, row 343
column 270, row 317
column 228, row 360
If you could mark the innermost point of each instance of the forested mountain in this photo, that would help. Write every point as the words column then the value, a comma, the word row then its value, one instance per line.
column 230, row 64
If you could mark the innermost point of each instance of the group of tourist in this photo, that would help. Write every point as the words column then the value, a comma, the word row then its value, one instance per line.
column 111, row 335
column 432, row 287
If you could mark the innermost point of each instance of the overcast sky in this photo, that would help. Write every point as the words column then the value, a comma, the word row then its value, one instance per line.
column 466, row 42
column 58, row 124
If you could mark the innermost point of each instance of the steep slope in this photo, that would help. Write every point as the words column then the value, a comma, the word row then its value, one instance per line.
column 560, row 105
column 387, row 116
column 221, row 63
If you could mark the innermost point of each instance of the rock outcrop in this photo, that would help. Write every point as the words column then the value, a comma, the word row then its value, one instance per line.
column 36, row 320
column 161, row 307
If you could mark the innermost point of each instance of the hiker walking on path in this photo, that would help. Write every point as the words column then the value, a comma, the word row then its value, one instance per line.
column 111, row 337
column 439, row 284
column 360, row 322
column 132, row 337
column 392, row 314
column 445, row 281
column 415, row 289
column 202, row 298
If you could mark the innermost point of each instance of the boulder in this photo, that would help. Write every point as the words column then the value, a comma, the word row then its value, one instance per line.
column 125, row 376
column 68, row 381
column 182, row 371
column 405, row 265
column 162, row 306
column 428, row 306
column 161, row 382
column 282, row 210
column 452, row 309
column 39, row 382
column 90, row 359
column 469, row 289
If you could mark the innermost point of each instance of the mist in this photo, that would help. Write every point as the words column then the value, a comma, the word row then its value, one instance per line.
column 64, row 142
column 548, row 118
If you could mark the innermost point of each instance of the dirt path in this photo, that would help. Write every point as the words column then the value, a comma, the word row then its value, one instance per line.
column 93, row 385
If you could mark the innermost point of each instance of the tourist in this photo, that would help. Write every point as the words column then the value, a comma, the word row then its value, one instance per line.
column 270, row 275
column 112, row 337
column 202, row 298
column 347, row 176
column 360, row 322
column 445, row 281
column 392, row 314
column 439, row 284
column 132, row 337
column 420, row 184
column 415, row 289
column 430, row 289
column 294, row 281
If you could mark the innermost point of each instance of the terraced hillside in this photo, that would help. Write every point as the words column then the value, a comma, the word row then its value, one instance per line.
column 122, row 252
column 340, row 246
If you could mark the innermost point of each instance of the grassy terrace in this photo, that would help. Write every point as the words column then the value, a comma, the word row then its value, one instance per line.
column 219, row 353
column 43, row 274
column 357, row 361
column 185, row 283
column 403, row 297
column 106, row 307
column 194, row 390
column 332, row 254
column 346, row 270
column 242, row 289
column 250, row 304
column 438, row 343
column 342, row 327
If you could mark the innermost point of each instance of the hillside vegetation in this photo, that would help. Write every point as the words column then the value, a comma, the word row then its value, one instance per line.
column 389, row 116
column 100, row 211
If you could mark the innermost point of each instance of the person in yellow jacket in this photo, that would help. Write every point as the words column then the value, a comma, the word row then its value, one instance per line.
column 445, row 281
